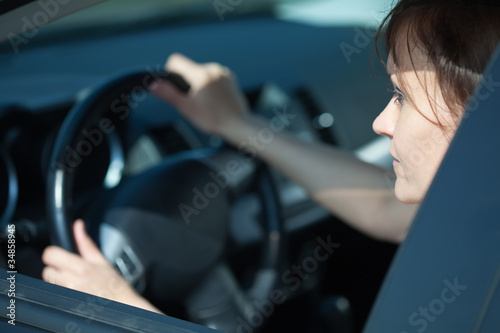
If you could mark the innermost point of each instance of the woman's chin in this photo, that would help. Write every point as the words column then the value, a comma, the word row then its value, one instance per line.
column 406, row 195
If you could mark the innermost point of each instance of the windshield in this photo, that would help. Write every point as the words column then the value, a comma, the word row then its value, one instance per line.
column 112, row 15
column 148, row 12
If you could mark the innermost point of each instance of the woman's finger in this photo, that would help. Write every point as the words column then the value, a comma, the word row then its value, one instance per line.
column 49, row 274
column 58, row 258
column 191, row 71
column 85, row 245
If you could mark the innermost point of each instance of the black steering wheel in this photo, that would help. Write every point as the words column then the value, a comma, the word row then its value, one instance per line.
column 165, row 229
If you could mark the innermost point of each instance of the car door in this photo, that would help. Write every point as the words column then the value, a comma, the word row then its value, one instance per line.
column 31, row 305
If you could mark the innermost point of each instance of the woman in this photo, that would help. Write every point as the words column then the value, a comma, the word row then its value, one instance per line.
column 437, row 53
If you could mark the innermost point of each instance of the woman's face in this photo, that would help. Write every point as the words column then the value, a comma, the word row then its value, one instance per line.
column 417, row 144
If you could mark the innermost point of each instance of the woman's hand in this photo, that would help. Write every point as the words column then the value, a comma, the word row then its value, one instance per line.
column 214, row 104
column 90, row 273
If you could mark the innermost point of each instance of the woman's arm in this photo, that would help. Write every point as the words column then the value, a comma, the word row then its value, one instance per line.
column 358, row 192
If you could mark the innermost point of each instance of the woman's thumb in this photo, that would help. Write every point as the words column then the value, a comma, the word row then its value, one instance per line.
column 85, row 245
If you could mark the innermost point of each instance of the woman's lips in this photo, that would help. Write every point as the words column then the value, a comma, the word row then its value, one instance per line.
column 395, row 159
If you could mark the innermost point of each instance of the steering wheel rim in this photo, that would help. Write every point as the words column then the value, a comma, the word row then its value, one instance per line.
column 98, row 102
column 60, row 176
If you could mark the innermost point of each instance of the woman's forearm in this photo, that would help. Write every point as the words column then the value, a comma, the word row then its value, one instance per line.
column 359, row 193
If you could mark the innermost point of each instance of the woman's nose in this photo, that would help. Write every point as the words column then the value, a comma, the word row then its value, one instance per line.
column 386, row 121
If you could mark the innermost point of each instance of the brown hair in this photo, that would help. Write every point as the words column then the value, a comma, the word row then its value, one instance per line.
column 457, row 36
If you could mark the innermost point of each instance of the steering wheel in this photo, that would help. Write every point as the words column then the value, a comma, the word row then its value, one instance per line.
column 165, row 229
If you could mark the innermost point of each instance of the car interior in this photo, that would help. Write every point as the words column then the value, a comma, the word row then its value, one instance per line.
column 133, row 161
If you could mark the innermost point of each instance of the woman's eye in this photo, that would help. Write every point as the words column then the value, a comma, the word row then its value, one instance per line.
column 398, row 96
